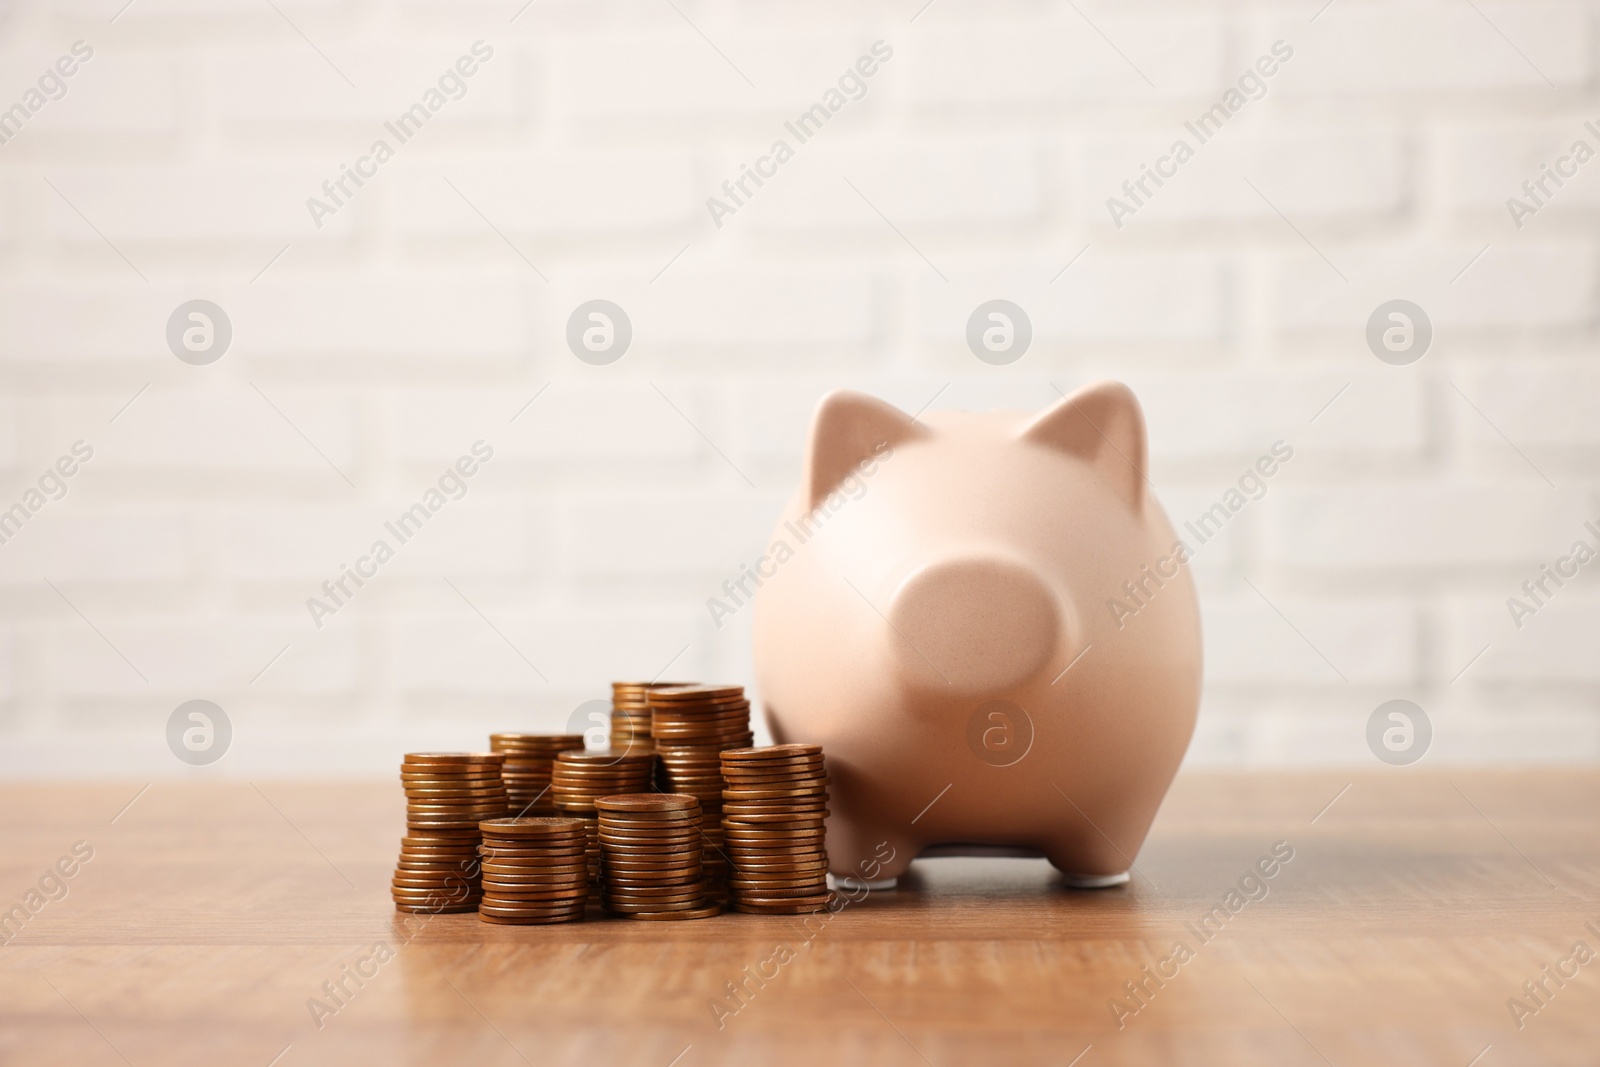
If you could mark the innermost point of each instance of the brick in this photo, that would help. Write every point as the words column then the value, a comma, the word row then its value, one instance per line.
column 286, row 85
column 1488, row 164
column 568, row 420
column 695, row 306
column 124, row 545
column 1249, row 644
column 108, row 320
column 1387, row 48
column 1544, row 285
column 1417, row 530
column 564, row 193
column 1555, row 645
column 475, row 535
column 1333, row 174
column 1508, row 735
column 456, row 314
column 193, row 203
column 1239, row 416
column 1544, row 405
column 1104, row 297
column 161, row 10
column 237, row 430
column 1061, row 60
column 116, row 94
column 673, row 73
column 199, row 658
column 696, row 536
column 952, row 183
column 578, row 649
column 10, row 454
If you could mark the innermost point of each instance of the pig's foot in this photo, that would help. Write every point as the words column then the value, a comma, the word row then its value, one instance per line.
column 845, row 882
column 1088, row 862
column 867, row 854
column 1093, row 881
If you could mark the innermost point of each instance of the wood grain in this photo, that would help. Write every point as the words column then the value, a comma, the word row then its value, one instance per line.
column 1413, row 908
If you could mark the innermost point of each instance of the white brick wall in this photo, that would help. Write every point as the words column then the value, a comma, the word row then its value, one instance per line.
column 428, row 311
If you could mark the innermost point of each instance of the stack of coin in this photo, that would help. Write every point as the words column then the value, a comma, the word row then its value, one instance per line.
column 447, row 795
column 772, row 818
column 578, row 778
column 527, row 768
column 534, row 871
column 691, row 726
column 650, row 857
column 630, row 711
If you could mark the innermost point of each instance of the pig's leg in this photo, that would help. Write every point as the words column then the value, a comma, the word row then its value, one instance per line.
column 1087, row 863
column 868, row 854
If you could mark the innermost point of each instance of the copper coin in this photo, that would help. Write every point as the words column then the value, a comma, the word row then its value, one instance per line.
column 526, row 856
column 450, row 792
column 433, row 898
column 427, row 866
column 449, row 909
column 481, row 786
column 624, row 852
column 528, row 920
column 626, row 832
column 768, row 887
column 511, row 859
column 536, row 739
column 690, row 691
column 776, row 781
column 642, row 864
column 671, row 891
column 533, row 907
column 650, row 826
column 453, row 757
column 662, row 843
column 442, row 838
column 600, row 758
column 737, row 836
column 688, row 876
column 530, row 917
column 635, row 907
column 503, row 897
column 464, row 848
column 773, row 752
column 536, row 877
column 778, row 894
column 576, row 865
column 646, row 803
column 705, row 912
column 794, row 866
column 436, row 886
column 808, row 908
column 530, row 827
column 649, row 874
column 739, row 772
column 741, row 858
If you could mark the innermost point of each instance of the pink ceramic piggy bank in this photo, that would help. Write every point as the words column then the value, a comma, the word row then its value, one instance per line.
column 987, row 622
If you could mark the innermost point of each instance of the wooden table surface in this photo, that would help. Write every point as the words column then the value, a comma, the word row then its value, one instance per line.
column 1413, row 910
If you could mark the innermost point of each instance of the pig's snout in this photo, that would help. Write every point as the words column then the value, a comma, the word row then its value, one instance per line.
column 974, row 624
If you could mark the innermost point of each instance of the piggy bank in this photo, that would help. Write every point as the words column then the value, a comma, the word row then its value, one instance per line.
column 988, row 623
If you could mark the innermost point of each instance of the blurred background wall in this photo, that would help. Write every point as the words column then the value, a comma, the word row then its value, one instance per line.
column 375, row 339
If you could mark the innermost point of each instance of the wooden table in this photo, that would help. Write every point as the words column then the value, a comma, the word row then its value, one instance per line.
column 1415, row 906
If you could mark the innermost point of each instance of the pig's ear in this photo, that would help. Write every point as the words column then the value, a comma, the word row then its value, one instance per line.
column 847, row 429
column 1101, row 424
